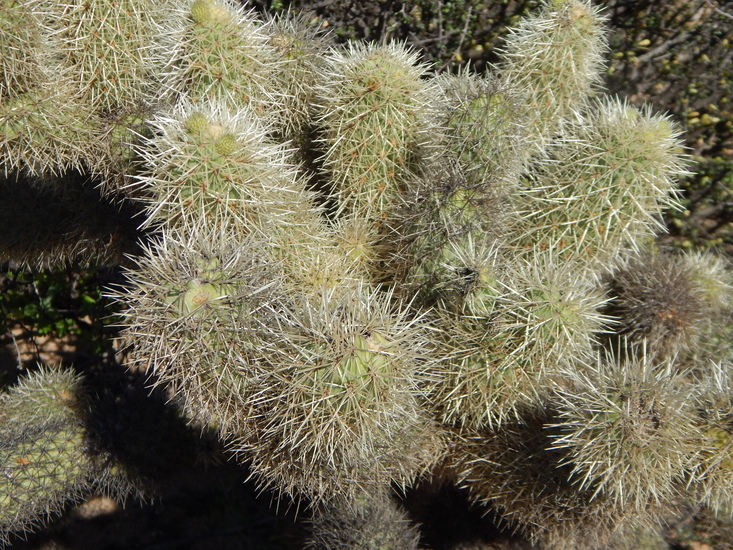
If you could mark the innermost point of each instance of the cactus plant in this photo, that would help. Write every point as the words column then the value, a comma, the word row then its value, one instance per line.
column 357, row 272
column 47, row 457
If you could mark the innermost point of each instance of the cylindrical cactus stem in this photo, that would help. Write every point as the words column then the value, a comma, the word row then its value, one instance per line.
column 301, row 46
column 341, row 412
column 461, row 203
column 62, row 221
column 209, row 165
column 514, row 470
column 713, row 472
column 500, row 355
column 671, row 305
column 47, row 130
column 376, row 523
column 214, row 50
column 604, row 189
column 451, row 235
column 481, row 382
column 46, row 459
column 196, row 314
column 642, row 538
column 107, row 46
column 118, row 163
column 487, row 127
column 374, row 111
column 101, row 63
column 557, row 57
column 556, row 312
column 24, row 49
column 460, row 276
column 628, row 428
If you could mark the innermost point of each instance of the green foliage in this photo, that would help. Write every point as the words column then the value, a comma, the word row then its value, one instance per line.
column 59, row 303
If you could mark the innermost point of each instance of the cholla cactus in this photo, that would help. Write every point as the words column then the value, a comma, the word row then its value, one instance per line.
column 340, row 411
column 45, row 126
column 556, row 57
column 47, row 457
column 357, row 270
column 629, row 429
column 378, row 524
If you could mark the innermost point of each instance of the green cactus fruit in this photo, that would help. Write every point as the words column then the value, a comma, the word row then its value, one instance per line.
column 604, row 190
column 47, row 130
column 216, row 51
column 44, row 456
column 628, row 426
column 557, row 57
column 217, row 167
column 375, row 115
column 376, row 524
column 341, row 414
column 671, row 304
column 107, row 45
column 516, row 472
column 301, row 46
column 196, row 314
